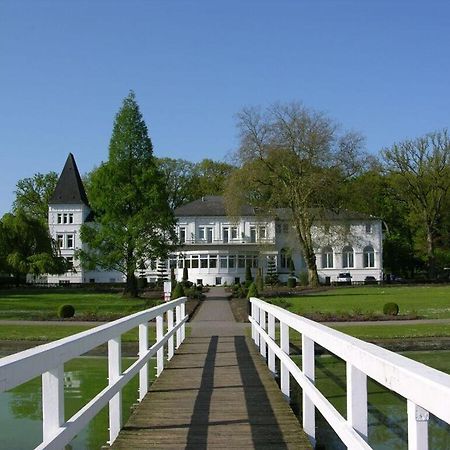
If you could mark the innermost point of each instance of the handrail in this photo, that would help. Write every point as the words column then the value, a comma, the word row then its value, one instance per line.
column 427, row 390
column 48, row 360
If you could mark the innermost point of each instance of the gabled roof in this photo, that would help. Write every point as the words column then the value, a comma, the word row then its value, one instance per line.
column 210, row 205
column 69, row 188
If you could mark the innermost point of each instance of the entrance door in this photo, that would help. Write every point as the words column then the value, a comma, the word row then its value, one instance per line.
column 218, row 281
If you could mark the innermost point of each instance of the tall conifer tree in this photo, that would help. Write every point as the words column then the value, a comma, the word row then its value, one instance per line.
column 133, row 221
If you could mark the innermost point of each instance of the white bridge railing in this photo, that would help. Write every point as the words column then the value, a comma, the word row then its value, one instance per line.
column 49, row 360
column 427, row 390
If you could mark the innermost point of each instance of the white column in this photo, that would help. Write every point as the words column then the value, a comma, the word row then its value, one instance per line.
column 308, row 370
column 262, row 323
column 357, row 400
column 114, row 372
column 52, row 401
column 252, row 314
column 178, row 320
column 143, row 348
column 160, row 352
column 417, row 427
column 284, row 344
column 170, row 342
column 271, row 332
column 256, row 318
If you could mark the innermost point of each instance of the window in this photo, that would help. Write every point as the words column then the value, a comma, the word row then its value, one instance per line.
column 234, row 232
column 65, row 218
column 70, row 217
column 187, row 263
column 69, row 260
column 232, row 262
column 368, row 228
column 209, row 235
column 347, row 257
column 70, row 241
column 241, row 262
column 327, row 258
column 195, row 261
column 60, row 240
column 201, row 233
column 182, row 235
column 369, row 256
column 262, row 232
column 212, row 261
column 225, row 235
column 203, row 261
column 285, row 259
column 252, row 234
column 172, row 263
column 59, row 218
column 223, row 262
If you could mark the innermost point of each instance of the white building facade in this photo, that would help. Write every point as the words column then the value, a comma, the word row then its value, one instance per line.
column 217, row 249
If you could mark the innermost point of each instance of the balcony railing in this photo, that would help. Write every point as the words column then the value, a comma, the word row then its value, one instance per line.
column 245, row 240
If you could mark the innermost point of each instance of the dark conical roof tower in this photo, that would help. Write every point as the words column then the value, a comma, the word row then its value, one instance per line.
column 69, row 188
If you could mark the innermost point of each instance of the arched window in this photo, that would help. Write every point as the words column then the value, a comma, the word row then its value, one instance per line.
column 347, row 257
column 369, row 256
column 327, row 258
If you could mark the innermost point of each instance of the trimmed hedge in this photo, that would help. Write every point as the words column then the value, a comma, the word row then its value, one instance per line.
column 390, row 309
column 66, row 311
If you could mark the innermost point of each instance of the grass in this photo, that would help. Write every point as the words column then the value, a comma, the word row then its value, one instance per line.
column 431, row 302
column 48, row 332
column 43, row 304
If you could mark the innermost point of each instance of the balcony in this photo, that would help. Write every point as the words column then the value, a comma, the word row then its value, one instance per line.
column 241, row 241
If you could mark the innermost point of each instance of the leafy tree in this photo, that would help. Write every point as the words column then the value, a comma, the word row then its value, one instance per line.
column 293, row 157
column 33, row 194
column 419, row 172
column 210, row 178
column 129, row 201
column 179, row 179
column 26, row 247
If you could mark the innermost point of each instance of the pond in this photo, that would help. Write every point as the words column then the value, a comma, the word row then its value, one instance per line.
column 21, row 417
column 386, row 410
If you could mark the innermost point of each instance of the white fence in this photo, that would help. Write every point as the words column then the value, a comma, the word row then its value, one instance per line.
column 49, row 360
column 426, row 390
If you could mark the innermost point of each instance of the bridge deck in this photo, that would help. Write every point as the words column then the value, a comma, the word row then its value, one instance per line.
column 215, row 393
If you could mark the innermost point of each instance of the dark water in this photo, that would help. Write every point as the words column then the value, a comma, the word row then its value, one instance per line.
column 21, row 408
column 21, row 417
column 386, row 410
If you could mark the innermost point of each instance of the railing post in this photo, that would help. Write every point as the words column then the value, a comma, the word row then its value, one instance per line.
column 271, row 332
column 114, row 372
column 52, row 401
column 183, row 327
column 252, row 314
column 309, row 419
column 357, row 400
column 170, row 342
column 417, row 427
column 262, row 324
column 256, row 318
column 160, row 352
column 178, row 320
column 143, row 348
column 284, row 344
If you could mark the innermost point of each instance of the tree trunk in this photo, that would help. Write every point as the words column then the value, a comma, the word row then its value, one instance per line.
column 431, row 263
column 131, row 289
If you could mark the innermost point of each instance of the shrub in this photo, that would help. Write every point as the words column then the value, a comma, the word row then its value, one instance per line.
column 66, row 311
column 291, row 282
column 178, row 291
column 304, row 278
column 390, row 309
column 252, row 291
column 248, row 275
column 142, row 283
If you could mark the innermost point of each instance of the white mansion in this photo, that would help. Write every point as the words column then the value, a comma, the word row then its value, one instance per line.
column 216, row 249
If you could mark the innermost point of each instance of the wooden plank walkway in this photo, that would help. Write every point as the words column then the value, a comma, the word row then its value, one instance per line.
column 215, row 393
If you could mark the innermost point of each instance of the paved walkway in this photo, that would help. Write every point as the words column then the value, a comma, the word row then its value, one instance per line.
column 215, row 393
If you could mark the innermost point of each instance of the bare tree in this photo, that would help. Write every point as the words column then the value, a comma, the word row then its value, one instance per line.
column 293, row 157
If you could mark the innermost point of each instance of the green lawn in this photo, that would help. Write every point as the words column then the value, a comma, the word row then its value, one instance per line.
column 43, row 304
column 431, row 302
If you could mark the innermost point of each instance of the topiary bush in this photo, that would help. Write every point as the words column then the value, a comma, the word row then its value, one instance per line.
column 66, row 311
column 390, row 309
column 252, row 291
column 178, row 291
column 291, row 282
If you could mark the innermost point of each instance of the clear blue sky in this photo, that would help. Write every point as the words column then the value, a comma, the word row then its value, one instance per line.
column 380, row 67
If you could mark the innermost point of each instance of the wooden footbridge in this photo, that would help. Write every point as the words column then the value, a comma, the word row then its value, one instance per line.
column 214, row 389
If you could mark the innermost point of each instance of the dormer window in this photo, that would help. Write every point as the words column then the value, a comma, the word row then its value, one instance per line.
column 59, row 218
